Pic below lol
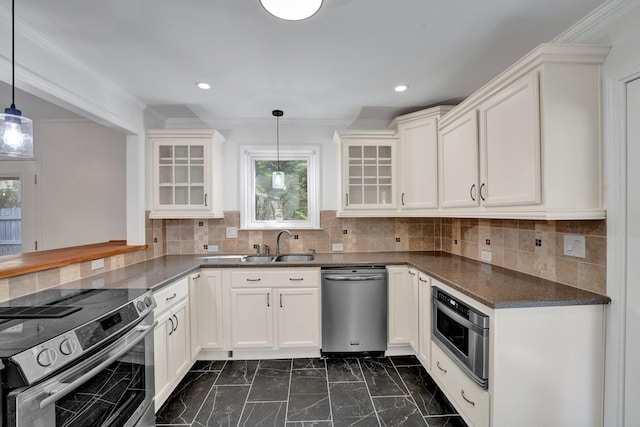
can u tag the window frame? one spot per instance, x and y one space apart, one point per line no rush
247 171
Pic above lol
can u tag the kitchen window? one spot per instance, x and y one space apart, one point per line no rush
294 206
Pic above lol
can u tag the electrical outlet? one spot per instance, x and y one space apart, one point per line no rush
97 263
337 247
232 232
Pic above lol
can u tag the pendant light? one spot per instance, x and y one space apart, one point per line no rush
292 10
16 131
277 179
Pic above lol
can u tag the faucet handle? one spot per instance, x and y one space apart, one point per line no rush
313 251
257 248
266 249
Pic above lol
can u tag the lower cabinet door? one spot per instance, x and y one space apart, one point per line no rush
179 342
472 401
252 318
298 318
160 358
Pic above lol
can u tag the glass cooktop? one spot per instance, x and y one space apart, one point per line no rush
36 318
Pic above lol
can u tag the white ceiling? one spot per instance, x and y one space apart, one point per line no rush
341 64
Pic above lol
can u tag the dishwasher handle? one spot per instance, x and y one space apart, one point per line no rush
354 278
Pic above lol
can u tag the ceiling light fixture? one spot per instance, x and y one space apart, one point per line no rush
16 131
203 85
292 10
401 88
277 179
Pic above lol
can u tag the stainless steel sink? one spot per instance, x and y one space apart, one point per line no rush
258 258
295 258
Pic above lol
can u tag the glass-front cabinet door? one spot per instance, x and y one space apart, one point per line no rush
368 171
187 173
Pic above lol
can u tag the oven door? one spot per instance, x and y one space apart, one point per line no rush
113 387
466 343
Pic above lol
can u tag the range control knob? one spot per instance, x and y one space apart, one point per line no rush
46 357
141 306
148 301
68 346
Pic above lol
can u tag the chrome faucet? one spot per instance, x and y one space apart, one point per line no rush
278 240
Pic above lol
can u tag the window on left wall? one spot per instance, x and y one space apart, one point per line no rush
294 206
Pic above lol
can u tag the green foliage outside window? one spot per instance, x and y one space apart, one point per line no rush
288 204
9 193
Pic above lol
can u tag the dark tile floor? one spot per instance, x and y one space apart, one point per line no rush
388 391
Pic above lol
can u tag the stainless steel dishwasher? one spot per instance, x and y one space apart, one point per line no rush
354 310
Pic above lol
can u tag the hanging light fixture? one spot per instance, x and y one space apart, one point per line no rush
16 131
277 179
292 10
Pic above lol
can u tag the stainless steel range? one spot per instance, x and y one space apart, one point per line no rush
77 358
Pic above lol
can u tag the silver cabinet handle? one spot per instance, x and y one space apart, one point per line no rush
59 392
172 297
471 402
205 199
268 298
347 199
472 193
481 187
254 280
440 367
176 328
281 301
402 198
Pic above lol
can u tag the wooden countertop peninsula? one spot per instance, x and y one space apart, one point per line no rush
14 265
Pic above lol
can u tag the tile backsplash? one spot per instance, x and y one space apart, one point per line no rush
532 247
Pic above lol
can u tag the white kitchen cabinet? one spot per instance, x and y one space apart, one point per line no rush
472 401
367 162
418 166
549 357
205 305
402 309
172 357
424 321
458 162
275 309
528 144
510 145
186 173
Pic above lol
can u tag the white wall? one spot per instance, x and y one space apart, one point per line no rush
82 183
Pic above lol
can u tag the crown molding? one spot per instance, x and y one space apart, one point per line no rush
594 20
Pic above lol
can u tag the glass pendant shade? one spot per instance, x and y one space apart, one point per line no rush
277 180
16 133
292 10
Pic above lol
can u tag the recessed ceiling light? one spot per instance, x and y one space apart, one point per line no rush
292 10
203 85
401 88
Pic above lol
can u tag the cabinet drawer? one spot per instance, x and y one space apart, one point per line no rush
469 399
171 294
291 277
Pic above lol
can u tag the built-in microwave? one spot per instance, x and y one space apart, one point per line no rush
462 332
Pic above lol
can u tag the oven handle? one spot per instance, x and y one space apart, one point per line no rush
455 316
59 392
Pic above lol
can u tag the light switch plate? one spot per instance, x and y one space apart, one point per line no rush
97 263
212 248
337 247
486 256
232 232
574 246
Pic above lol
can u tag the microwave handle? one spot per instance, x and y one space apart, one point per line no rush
59 392
455 316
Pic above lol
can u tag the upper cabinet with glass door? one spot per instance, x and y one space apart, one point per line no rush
367 177
186 173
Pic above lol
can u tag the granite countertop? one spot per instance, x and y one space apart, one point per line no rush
493 286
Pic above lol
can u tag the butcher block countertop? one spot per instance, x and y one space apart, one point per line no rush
493 286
